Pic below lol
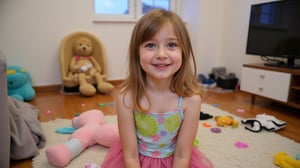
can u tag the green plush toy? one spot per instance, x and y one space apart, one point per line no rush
19 84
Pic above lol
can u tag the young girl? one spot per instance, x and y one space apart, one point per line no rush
158 106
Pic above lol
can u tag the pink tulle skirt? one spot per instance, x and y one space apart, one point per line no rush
114 159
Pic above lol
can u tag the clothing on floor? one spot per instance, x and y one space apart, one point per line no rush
27 136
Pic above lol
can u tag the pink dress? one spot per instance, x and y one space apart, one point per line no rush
156 135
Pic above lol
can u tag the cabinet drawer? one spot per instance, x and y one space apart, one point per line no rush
271 84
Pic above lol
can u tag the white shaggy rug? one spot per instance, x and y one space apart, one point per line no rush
218 147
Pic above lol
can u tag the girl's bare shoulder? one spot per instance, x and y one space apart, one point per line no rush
191 100
124 98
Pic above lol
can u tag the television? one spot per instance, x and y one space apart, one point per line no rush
274 32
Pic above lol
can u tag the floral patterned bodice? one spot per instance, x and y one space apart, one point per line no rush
157 132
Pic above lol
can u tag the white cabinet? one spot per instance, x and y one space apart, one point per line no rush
271 84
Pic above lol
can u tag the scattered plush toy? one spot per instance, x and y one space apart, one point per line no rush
263 121
83 66
19 83
205 116
91 129
298 156
225 121
283 160
206 82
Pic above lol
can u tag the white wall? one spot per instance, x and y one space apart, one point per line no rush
203 24
31 32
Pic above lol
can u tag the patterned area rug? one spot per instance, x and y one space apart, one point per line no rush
218 147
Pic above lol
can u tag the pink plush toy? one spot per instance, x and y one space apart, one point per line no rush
91 129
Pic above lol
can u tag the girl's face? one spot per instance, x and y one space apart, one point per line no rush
161 56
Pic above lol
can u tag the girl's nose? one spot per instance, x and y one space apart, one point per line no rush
161 53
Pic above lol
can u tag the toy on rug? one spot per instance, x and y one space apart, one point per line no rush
241 144
283 160
225 121
91 129
215 130
298 156
91 165
205 116
83 66
263 121
19 83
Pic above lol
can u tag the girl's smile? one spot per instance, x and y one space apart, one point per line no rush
161 66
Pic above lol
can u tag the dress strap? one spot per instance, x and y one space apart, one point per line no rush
179 108
180 102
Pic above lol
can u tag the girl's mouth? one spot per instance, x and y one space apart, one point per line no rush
161 66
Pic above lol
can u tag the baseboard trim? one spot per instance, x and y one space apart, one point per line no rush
47 88
57 87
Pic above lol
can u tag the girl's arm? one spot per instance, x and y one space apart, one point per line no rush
127 132
188 131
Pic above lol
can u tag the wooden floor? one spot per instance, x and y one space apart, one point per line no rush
52 104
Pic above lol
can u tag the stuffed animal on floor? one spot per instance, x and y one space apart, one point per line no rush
283 160
206 82
19 83
91 129
225 121
83 66
263 121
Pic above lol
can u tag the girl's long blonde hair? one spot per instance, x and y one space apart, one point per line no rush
184 82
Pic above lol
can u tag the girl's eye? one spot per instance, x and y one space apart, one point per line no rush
172 45
150 45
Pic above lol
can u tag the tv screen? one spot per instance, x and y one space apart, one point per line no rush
274 32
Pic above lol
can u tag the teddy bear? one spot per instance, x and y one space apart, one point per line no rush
91 129
225 121
19 84
263 121
83 66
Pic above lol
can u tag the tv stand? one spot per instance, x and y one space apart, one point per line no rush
282 65
280 84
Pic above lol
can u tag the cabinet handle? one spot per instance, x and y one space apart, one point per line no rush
260 89
262 76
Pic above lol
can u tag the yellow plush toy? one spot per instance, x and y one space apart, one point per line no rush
225 121
83 66
285 161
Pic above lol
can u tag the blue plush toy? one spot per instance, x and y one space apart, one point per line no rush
19 84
